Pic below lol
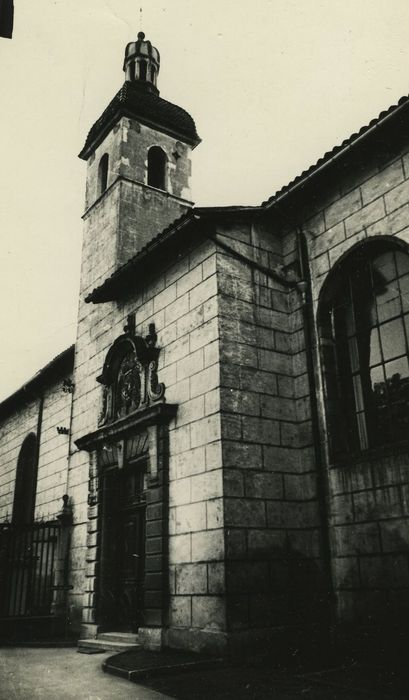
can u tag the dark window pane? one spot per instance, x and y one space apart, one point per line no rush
383 266
404 290
402 262
392 339
388 302
396 372
375 348
378 412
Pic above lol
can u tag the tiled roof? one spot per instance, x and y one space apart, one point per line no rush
337 150
59 366
127 270
136 101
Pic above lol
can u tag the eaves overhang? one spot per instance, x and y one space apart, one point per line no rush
168 244
386 128
58 368
147 108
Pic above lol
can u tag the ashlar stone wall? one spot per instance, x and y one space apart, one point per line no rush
367 504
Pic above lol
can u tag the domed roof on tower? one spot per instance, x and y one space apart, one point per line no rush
142 63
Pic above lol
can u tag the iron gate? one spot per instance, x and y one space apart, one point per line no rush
27 558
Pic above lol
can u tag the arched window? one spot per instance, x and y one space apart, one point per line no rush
26 481
364 340
157 161
103 174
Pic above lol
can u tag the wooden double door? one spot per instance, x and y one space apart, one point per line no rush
123 548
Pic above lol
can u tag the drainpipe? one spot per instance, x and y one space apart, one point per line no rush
305 288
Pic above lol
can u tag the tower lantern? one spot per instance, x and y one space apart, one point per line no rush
142 62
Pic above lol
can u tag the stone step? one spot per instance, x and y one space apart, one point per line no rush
106 645
125 637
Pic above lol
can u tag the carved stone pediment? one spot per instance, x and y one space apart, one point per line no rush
129 378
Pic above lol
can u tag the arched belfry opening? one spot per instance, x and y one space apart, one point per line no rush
26 482
157 162
103 174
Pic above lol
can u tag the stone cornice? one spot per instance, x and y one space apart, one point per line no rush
157 413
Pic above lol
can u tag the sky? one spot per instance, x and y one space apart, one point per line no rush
271 84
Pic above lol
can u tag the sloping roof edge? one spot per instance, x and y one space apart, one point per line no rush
58 366
340 150
188 220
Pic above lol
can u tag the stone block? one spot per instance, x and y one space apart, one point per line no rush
212 402
356 539
205 430
239 401
300 487
206 486
236 353
215 578
191 579
203 335
293 514
208 612
207 546
387 571
203 291
190 411
190 518
365 217
305 543
180 611
346 572
179 549
179 492
233 482
242 454
262 485
278 362
214 455
240 512
247 577
215 514
378 503
261 430
342 208
189 365
382 182
189 281
281 459
277 407
266 544
395 535
164 298
190 462
341 509
204 380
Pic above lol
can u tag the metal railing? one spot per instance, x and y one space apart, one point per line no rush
28 556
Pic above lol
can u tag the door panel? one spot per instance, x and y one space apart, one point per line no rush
123 549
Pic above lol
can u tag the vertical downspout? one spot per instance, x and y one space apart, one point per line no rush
322 482
38 434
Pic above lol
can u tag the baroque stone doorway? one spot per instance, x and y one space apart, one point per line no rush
123 548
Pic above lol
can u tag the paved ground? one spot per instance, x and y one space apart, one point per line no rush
63 674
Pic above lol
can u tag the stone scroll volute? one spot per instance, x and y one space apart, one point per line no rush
130 376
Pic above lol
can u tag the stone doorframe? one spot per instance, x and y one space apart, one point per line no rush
147 428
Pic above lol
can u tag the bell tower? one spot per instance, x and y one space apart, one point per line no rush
138 167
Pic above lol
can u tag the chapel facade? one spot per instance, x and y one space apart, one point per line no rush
222 460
